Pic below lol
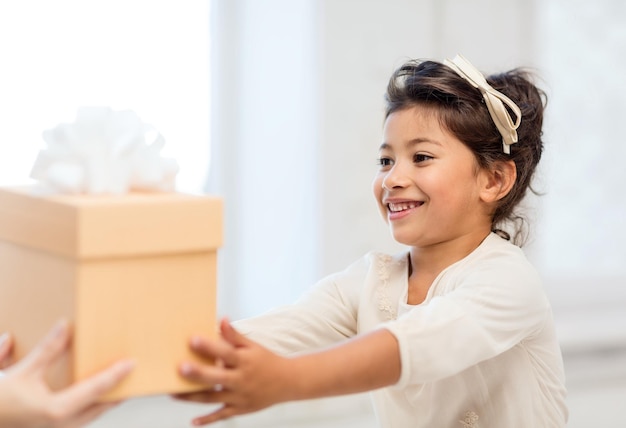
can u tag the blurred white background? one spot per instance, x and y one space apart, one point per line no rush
283 98
148 56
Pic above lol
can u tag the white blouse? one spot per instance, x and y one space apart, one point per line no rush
480 351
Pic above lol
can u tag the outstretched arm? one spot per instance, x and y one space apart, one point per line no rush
27 401
248 377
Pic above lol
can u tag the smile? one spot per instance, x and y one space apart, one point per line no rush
403 206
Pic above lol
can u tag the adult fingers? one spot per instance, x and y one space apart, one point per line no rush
85 393
89 414
6 346
47 350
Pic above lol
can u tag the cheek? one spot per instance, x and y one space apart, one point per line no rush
455 193
377 190
377 186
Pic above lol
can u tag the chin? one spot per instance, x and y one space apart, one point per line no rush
413 240
403 239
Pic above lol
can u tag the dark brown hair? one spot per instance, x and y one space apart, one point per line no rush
463 112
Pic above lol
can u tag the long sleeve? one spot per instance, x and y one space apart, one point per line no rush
492 310
481 346
325 315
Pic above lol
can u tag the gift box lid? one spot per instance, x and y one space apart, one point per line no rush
99 226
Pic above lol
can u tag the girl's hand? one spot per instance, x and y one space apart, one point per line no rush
27 401
245 377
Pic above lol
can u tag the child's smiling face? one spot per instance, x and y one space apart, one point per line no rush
429 185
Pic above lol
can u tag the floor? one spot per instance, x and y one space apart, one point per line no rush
597 389
163 412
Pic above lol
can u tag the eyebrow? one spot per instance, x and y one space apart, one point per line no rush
411 143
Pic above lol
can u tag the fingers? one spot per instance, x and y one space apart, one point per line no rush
214 349
88 415
223 351
206 397
231 335
6 346
48 350
224 412
196 397
208 375
83 394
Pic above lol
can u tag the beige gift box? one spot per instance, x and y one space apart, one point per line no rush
135 275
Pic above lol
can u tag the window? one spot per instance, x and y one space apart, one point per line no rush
581 232
148 56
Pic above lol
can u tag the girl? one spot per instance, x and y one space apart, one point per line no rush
458 331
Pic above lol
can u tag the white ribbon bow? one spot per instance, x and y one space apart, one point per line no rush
104 151
495 101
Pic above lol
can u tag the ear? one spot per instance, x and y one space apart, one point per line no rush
498 181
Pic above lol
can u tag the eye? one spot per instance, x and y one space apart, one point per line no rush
384 162
420 157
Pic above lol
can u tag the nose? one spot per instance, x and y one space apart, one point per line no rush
395 178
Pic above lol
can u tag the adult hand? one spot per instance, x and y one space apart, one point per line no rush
26 400
5 351
245 377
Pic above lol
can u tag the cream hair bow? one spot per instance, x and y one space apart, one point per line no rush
495 101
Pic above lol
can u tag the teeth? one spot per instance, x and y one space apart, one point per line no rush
403 206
